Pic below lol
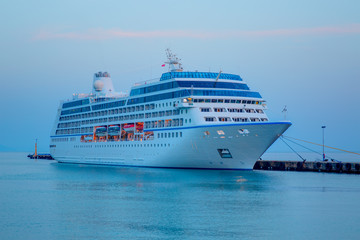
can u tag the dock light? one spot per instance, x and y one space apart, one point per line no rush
323 133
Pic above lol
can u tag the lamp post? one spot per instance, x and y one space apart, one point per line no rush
323 135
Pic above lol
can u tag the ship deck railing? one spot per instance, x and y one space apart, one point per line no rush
153 80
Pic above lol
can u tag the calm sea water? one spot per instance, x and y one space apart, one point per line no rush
45 200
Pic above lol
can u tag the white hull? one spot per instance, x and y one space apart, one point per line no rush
194 149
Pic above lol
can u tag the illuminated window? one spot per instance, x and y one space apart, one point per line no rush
220 132
219 109
224 119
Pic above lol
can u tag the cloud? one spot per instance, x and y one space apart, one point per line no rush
348 29
107 34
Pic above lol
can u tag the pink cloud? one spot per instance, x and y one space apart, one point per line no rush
347 29
105 34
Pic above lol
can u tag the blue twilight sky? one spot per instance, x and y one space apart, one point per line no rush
302 54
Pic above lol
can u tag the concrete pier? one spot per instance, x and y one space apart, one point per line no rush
40 156
307 166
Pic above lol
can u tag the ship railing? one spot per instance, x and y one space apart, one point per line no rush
153 80
95 99
81 95
98 98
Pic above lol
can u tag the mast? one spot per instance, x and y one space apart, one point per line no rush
284 111
217 78
173 61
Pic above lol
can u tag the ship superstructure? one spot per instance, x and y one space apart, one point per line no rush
182 120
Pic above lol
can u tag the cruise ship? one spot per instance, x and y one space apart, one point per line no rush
185 119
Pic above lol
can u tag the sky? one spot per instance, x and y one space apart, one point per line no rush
304 55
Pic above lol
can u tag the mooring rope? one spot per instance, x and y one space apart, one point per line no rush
304 147
322 145
312 150
282 138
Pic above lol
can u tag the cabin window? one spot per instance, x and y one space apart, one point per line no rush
237 119
224 119
210 119
205 109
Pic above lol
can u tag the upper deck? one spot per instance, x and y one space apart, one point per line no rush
199 75
173 84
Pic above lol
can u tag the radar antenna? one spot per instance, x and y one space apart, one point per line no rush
173 61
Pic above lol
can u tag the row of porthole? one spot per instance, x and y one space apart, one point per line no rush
169 135
235 119
125 145
240 110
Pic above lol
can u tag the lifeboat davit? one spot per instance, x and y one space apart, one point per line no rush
128 127
114 130
88 138
100 131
